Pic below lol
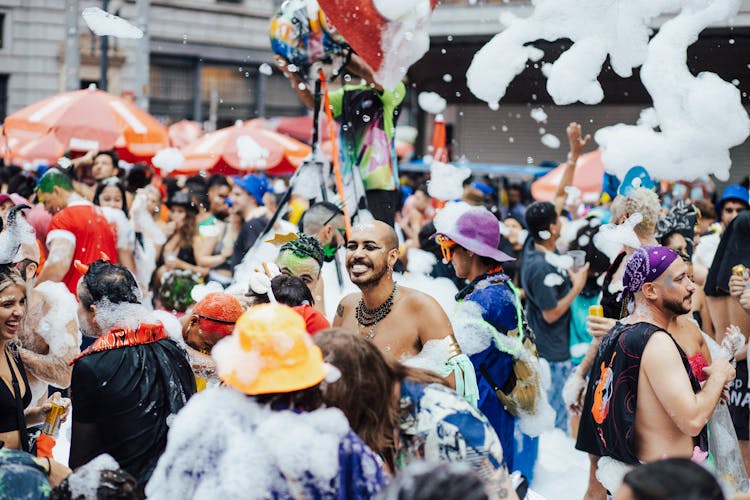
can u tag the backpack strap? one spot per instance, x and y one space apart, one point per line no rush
519 311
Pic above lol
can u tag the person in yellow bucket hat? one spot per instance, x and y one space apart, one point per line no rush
269 352
268 421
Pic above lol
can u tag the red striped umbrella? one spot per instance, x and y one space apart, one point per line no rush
244 147
184 133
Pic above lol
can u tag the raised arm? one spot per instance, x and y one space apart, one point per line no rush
299 86
577 146
662 366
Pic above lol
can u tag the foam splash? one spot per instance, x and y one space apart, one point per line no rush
553 280
105 24
431 102
404 42
56 311
242 452
699 117
612 237
451 184
85 480
551 141
168 160
250 153
538 115
561 262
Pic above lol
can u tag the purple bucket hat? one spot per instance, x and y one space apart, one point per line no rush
476 230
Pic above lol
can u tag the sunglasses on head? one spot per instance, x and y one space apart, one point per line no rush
447 246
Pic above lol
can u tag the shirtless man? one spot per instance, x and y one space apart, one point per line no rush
671 409
49 336
399 320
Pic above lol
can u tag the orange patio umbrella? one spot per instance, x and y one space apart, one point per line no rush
244 147
90 119
184 132
42 150
588 177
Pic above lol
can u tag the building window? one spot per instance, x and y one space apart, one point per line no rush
2 30
3 97
172 89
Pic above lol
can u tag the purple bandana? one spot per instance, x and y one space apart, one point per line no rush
645 266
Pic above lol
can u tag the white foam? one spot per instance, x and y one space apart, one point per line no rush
224 445
538 115
431 102
250 153
402 10
561 262
420 262
553 280
551 141
699 117
105 24
265 69
403 43
451 181
168 160
612 237
56 316
85 480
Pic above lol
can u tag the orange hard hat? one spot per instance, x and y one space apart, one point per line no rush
269 352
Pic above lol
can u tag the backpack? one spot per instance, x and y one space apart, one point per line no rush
520 393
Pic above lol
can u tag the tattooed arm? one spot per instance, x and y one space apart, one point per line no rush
345 312
500 484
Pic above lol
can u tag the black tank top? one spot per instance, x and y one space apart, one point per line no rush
607 425
611 302
8 405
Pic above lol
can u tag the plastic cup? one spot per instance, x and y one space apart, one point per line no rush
579 258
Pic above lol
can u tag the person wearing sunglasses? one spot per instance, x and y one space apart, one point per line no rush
487 321
325 222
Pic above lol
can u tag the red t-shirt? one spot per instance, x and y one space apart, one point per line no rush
84 225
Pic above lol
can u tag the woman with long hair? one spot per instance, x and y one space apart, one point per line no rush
15 392
110 195
407 414
177 252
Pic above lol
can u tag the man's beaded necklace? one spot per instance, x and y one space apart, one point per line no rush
371 317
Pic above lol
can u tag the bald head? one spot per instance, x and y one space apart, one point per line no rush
377 231
371 253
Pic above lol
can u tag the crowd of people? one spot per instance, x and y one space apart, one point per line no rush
184 321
